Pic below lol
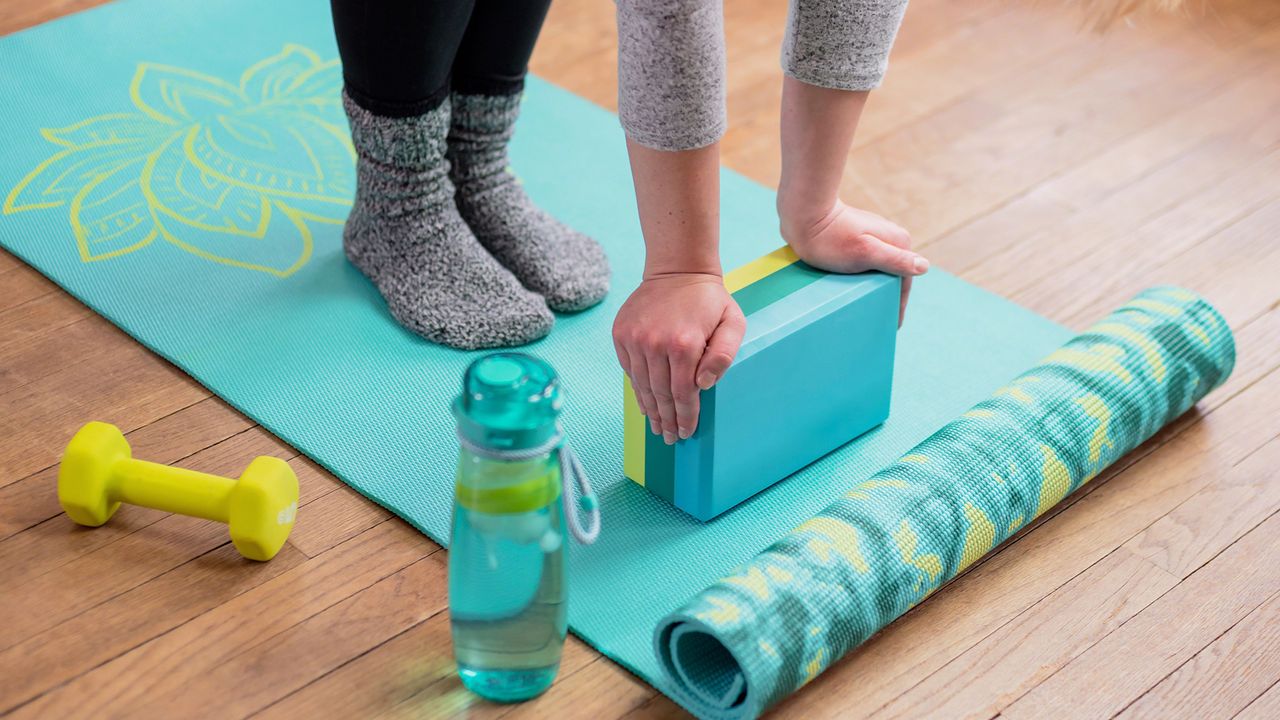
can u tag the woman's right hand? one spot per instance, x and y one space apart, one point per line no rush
677 334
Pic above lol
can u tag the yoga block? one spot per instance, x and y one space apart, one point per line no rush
815 371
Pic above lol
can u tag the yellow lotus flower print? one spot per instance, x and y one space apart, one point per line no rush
234 173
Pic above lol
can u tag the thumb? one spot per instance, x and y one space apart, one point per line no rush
883 256
721 346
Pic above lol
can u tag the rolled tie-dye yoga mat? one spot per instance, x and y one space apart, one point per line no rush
766 630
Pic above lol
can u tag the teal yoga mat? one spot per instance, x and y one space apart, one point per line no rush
182 168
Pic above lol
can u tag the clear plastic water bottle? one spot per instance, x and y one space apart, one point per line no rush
509 551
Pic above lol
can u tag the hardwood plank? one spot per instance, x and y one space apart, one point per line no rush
1095 208
333 518
1107 677
56 352
8 260
373 683
1021 653
119 382
1232 268
1201 527
288 660
18 14
658 707
1266 707
950 66
938 174
105 631
406 676
20 285
601 689
185 655
51 595
46 314
1224 677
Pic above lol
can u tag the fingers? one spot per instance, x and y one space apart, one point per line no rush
684 355
624 359
902 304
644 391
660 384
885 256
896 235
890 232
722 346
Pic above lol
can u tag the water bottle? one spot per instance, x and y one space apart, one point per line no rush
508 556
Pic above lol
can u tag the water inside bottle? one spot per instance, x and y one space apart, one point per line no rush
507 599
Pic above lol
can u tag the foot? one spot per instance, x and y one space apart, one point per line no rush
559 263
404 232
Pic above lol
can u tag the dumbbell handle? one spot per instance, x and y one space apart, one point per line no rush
173 489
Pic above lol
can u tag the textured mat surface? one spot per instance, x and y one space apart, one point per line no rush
891 540
183 169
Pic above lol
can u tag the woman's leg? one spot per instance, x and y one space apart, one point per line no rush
397 54
494 55
404 231
566 267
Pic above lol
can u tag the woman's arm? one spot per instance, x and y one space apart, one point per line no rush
817 130
680 329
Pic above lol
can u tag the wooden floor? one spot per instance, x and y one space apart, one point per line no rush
1060 169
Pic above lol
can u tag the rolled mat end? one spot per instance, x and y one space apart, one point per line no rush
707 676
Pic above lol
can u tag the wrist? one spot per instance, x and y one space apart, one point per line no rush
694 259
658 273
800 219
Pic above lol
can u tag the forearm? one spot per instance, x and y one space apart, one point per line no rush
817 130
678 196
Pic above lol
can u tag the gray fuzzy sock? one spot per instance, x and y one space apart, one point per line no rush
405 234
566 267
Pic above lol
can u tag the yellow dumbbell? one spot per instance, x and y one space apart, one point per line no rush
98 473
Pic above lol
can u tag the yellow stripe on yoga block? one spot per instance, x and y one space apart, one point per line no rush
633 429
759 268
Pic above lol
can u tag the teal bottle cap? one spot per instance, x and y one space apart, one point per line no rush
509 401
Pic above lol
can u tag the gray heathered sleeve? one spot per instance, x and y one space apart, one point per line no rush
841 44
671 74
671 60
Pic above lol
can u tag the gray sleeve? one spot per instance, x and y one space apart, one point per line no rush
671 75
671 60
841 44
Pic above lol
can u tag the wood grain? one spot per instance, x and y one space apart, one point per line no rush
1107 677
1224 677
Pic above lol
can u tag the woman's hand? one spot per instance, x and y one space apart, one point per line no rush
848 240
678 332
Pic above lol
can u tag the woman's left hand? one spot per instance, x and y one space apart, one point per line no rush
848 240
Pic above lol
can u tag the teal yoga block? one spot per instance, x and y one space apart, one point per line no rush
815 370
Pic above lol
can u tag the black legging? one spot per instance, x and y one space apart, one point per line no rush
402 57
